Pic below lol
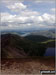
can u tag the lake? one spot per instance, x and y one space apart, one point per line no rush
50 52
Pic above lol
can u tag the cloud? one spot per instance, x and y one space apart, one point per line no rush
24 17
29 13
44 1
32 21
53 9
11 1
49 18
6 17
17 7
40 1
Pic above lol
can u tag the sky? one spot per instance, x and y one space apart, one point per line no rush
27 14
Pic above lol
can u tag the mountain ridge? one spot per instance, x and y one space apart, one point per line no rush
12 45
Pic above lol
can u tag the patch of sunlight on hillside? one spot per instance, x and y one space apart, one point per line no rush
48 41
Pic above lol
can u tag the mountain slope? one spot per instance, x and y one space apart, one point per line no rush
37 38
14 46
9 46
46 33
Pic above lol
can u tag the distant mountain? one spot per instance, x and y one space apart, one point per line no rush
46 33
15 46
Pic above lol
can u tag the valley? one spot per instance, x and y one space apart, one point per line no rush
26 54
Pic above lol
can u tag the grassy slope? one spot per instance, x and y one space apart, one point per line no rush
48 42
37 38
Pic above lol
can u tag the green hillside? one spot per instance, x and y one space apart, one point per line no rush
37 38
48 42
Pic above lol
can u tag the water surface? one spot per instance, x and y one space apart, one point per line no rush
50 52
